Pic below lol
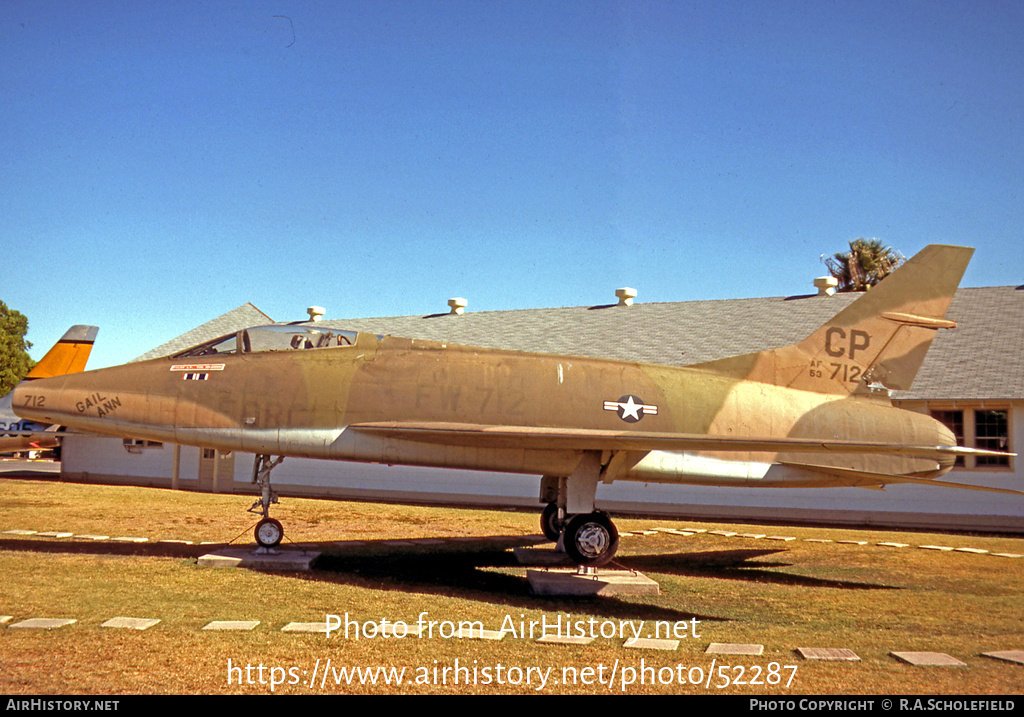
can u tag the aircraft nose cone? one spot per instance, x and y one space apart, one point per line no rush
39 400
45 399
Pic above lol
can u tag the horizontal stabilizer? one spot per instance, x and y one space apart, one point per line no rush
862 479
943 484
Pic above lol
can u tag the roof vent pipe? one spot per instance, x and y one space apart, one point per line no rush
316 312
458 305
625 296
826 285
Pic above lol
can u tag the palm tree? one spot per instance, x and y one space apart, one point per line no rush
867 263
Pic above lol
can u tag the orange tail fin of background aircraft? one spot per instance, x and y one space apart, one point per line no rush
69 355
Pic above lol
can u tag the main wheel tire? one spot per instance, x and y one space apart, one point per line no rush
269 533
591 539
550 524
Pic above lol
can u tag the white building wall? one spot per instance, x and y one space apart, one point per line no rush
84 455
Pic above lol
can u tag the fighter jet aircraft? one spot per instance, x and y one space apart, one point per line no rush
814 414
68 355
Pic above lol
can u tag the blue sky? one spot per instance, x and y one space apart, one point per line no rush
166 162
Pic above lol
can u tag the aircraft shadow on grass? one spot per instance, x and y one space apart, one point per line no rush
481 569
738 565
474 570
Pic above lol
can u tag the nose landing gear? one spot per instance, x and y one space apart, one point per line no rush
269 532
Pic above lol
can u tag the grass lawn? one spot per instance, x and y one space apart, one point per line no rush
784 595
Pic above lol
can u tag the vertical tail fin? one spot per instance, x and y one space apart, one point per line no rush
68 355
881 338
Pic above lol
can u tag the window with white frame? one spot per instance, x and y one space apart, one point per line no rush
987 428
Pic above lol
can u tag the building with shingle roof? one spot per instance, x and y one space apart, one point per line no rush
972 378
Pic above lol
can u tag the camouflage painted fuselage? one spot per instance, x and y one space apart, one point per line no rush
815 413
338 403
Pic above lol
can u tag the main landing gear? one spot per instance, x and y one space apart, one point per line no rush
269 532
589 539
588 536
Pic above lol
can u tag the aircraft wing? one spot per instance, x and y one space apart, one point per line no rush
29 441
588 439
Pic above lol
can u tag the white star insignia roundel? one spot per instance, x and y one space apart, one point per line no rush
631 408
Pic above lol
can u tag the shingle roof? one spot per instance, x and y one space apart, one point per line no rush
677 333
983 358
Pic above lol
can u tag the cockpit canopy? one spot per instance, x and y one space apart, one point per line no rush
272 338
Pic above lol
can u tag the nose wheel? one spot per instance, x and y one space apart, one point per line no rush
269 533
